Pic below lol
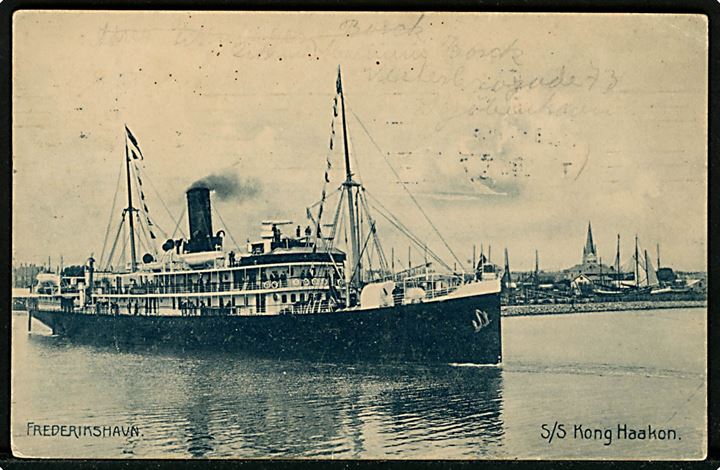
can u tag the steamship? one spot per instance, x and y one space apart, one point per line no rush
292 293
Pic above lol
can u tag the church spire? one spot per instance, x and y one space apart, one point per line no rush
589 253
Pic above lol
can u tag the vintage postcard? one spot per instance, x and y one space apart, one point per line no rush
359 235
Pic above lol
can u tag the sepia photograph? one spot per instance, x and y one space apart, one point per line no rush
359 235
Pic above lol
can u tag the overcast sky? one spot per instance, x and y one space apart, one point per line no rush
510 130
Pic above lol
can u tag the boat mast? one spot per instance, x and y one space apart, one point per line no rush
349 183
130 209
647 270
617 261
637 264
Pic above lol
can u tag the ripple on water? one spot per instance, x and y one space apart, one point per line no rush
190 404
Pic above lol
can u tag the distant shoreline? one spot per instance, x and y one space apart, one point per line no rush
555 309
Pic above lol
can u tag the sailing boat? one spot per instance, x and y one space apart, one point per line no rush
644 277
615 287
293 295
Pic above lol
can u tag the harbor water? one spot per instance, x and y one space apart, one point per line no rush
565 381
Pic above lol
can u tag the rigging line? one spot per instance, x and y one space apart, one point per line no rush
359 225
217 212
143 203
317 227
112 212
327 196
362 217
336 217
143 239
323 239
412 238
149 245
381 254
357 171
328 247
437 232
337 221
140 234
335 264
125 240
406 231
376 239
310 216
328 154
153 225
418 243
321 203
348 282
177 225
369 261
403 230
118 237
157 193
140 209
111 254
357 265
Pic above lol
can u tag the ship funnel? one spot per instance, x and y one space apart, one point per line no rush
200 221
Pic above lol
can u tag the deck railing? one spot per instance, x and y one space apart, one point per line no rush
224 286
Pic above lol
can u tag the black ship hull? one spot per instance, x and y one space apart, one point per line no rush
460 330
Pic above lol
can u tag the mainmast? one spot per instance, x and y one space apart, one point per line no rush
130 209
349 183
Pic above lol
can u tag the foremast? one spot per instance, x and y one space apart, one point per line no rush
130 209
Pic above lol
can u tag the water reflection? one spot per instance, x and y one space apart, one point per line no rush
205 404
262 408
198 439
215 405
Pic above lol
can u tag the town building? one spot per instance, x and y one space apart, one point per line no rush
591 267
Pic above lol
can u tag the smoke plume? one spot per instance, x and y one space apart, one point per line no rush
229 186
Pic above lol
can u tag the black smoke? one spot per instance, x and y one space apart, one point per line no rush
229 186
